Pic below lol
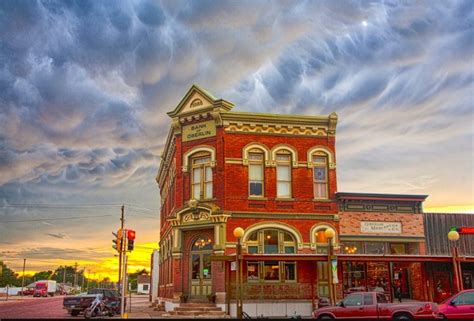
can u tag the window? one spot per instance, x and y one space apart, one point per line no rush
352 248
201 177
320 175
397 248
374 247
465 298
368 299
353 300
145 287
381 298
271 241
256 170
252 271
283 167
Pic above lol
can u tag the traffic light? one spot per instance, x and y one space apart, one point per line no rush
131 239
118 240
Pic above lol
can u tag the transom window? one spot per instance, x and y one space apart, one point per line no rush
201 178
271 241
283 167
320 175
256 172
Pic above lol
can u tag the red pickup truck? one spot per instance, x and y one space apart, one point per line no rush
374 306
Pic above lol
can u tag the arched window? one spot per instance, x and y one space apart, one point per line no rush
283 172
271 241
201 176
256 172
320 175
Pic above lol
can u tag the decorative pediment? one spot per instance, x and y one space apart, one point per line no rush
198 215
196 100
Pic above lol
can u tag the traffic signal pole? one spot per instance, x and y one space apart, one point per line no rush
122 220
123 268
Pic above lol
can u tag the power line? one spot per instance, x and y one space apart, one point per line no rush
58 205
56 218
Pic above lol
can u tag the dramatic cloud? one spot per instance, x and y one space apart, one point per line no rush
84 87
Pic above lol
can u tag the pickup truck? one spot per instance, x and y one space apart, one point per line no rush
374 306
77 304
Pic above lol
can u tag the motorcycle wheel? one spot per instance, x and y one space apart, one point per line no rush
88 313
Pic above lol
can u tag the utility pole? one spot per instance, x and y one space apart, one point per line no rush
75 275
64 275
83 277
23 277
122 221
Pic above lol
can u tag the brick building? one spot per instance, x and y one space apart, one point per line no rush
275 177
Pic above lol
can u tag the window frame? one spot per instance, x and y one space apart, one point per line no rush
287 163
282 245
319 165
256 162
202 168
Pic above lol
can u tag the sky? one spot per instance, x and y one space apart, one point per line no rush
85 87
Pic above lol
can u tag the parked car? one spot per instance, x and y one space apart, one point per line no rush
457 307
374 306
77 304
27 291
45 288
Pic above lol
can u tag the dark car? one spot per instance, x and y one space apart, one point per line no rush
457 307
77 304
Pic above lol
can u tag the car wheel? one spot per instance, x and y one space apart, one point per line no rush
325 317
75 313
88 313
402 317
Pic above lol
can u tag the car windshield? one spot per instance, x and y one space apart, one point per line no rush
94 291
41 286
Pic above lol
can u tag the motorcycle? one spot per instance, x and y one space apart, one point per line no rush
98 308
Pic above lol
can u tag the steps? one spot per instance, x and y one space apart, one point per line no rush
197 309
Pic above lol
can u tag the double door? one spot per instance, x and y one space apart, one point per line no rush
201 274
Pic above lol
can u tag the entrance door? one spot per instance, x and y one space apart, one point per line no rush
201 283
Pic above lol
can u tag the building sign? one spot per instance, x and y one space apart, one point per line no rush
199 130
465 230
381 227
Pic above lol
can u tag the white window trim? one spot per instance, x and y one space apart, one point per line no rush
187 156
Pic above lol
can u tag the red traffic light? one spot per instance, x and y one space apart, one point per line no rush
130 234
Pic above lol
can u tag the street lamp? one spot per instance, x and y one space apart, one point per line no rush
329 233
453 236
238 233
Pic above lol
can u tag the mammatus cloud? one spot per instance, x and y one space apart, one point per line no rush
84 87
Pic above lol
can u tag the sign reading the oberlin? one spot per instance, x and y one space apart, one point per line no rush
381 227
199 130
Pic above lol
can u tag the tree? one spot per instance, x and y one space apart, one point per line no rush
8 276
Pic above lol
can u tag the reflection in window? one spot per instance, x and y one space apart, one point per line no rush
352 248
397 248
271 270
252 271
374 247
256 169
270 241
290 271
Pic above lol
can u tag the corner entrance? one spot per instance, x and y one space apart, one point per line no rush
201 272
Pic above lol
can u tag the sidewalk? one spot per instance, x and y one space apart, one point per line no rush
141 309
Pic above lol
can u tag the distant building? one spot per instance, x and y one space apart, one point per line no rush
143 284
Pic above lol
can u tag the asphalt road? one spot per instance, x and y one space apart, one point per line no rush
33 308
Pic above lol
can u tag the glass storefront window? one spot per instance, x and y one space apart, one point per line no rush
378 277
397 248
271 270
290 271
352 248
252 271
374 247
413 248
354 279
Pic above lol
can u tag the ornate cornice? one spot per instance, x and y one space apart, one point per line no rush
295 216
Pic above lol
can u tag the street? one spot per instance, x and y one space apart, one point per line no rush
33 308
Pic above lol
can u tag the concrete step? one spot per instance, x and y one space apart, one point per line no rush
195 313
181 308
197 304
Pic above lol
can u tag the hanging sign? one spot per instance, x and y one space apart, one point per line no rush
335 279
233 266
